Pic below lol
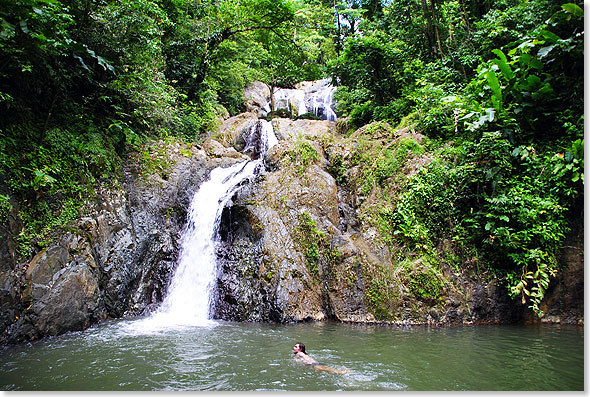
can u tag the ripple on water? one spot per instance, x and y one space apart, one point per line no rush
229 356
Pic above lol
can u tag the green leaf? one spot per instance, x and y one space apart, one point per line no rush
530 61
526 291
573 9
500 54
545 50
545 91
557 168
104 63
24 27
533 80
550 36
502 63
496 89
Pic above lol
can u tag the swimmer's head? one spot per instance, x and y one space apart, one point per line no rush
299 347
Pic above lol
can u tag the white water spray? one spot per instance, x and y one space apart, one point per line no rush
324 100
189 294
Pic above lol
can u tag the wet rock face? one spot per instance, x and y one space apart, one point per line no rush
266 240
239 295
564 300
116 261
293 248
135 234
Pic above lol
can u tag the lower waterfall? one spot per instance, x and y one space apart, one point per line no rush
188 300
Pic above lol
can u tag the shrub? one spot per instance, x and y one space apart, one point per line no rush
302 155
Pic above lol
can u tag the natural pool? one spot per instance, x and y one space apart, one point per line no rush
124 355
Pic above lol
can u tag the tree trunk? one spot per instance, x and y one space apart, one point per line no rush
338 31
272 95
429 38
436 32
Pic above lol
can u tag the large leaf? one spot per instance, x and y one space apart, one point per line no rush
550 36
573 9
496 89
502 63
530 61
545 50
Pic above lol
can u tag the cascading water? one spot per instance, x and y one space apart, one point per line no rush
316 97
322 103
189 294
261 137
285 98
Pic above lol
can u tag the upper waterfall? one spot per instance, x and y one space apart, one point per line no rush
315 97
321 99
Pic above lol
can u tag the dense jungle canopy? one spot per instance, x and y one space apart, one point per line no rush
495 86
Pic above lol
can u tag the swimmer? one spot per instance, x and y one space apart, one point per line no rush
299 351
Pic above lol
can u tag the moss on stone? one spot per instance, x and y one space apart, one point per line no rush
424 281
380 293
309 239
302 155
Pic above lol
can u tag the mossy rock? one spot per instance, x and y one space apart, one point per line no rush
279 113
308 116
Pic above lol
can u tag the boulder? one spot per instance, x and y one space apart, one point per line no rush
257 96
71 304
216 149
310 129
61 292
232 131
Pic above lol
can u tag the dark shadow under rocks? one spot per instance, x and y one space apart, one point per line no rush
240 295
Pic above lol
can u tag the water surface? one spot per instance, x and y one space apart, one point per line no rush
128 355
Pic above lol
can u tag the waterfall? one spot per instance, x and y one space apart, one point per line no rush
286 98
189 295
322 102
312 96
261 137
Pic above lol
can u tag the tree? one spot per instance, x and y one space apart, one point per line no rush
193 44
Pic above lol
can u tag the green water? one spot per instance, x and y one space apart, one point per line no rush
232 356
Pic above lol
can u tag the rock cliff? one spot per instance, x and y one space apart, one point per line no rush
293 248
116 260
297 244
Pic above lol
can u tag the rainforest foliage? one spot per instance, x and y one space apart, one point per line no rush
496 86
